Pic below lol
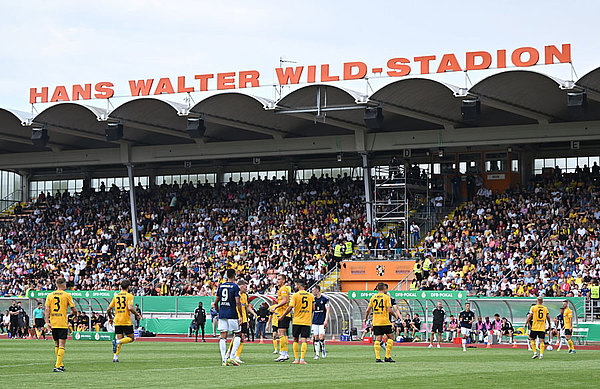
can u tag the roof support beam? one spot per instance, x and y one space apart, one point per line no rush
77 132
521 111
155 129
275 133
446 123
331 121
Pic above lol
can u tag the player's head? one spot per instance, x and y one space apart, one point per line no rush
230 274
14 302
300 284
439 305
540 300
317 290
467 307
125 284
40 305
497 317
280 279
565 303
387 287
200 304
61 283
243 285
381 287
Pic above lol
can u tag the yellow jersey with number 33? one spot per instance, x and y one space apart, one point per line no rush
302 303
59 302
539 313
121 303
380 304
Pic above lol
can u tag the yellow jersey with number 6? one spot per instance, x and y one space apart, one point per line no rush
302 303
538 317
59 302
121 303
380 304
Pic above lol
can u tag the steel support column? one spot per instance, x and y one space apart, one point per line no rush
367 180
132 204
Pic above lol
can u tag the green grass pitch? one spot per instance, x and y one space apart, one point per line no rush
185 365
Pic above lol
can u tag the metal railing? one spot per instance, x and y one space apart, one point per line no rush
11 199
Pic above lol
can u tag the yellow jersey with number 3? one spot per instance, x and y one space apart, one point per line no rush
380 304
539 313
283 291
59 302
568 318
244 304
302 303
121 303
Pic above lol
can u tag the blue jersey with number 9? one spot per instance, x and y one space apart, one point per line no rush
227 293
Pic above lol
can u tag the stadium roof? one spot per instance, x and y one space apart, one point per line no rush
516 107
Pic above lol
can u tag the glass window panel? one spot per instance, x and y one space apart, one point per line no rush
571 164
549 162
538 164
582 161
514 165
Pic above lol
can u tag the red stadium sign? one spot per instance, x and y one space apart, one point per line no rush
395 67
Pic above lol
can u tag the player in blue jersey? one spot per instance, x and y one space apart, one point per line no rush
227 305
319 322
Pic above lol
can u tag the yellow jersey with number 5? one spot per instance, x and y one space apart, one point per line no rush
302 303
121 303
380 304
59 302
539 313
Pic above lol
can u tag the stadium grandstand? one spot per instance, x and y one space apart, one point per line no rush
492 190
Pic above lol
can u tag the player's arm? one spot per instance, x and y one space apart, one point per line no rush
109 311
216 304
47 316
326 313
548 319
284 300
238 304
368 313
250 309
529 316
72 305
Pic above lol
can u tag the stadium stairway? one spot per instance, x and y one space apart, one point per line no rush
331 281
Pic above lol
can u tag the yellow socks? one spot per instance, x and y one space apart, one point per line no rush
533 347
388 348
542 346
56 351
295 347
283 346
118 349
239 350
303 350
59 357
275 343
571 345
377 349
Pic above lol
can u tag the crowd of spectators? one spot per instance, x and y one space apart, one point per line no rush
540 239
189 234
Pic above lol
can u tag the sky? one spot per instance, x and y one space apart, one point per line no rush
49 43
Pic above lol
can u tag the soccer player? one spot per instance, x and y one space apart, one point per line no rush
395 309
200 320
558 329
227 305
122 305
568 320
538 316
319 322
38 316
439 316
303 304
283 322
496 329
57 304
466 319
243 314
507 330
381 305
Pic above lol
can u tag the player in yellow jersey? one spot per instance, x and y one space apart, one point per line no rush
303 304
122 304
381 305
568 320
283 321
538 317
57 304
246 306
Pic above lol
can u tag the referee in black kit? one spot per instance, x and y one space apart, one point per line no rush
200 320
439 315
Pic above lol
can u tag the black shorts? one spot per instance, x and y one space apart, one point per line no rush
300 331
568 332
59 333
39 322
125 330
537 334
382 330
245 327
437 327
284 323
